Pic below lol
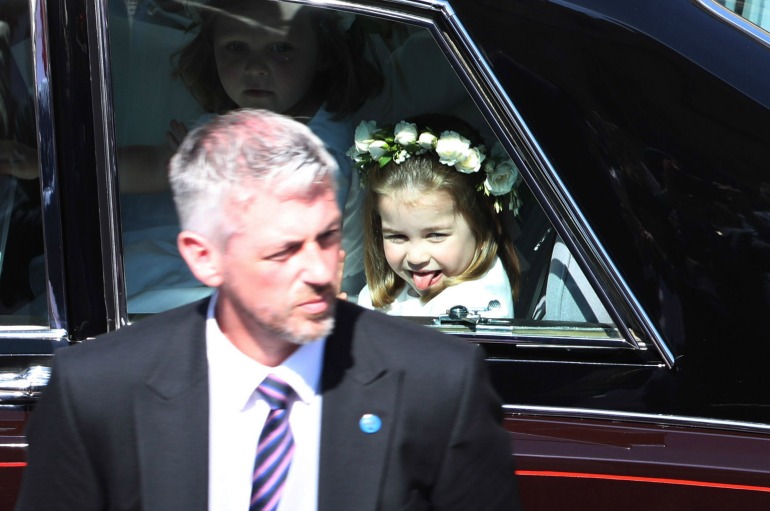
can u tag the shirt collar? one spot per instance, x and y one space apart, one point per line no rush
242 374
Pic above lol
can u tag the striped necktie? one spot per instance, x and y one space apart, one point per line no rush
275 448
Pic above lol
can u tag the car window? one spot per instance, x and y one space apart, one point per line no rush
147 99
175 68
755 11
22 269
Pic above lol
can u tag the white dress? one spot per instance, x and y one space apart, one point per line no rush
473 294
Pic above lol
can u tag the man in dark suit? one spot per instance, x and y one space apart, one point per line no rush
168 414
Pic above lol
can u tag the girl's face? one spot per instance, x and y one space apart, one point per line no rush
266 56
425 238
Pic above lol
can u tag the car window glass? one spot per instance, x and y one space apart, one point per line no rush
160 53
143 38
22 269
756 11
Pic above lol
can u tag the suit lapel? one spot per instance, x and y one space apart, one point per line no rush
172 420
354 383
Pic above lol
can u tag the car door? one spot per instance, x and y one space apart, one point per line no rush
651 154
52 283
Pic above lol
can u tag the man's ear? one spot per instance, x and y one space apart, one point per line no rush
202 256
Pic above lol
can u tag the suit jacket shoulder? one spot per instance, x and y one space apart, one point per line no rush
124 420
397 340
438 442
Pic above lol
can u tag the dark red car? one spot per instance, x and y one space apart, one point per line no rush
634 368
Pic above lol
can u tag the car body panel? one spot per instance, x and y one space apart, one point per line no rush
606 464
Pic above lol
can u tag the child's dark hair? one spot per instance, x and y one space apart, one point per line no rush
424 173
346 82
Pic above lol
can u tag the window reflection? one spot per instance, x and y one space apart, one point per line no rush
182 66
143 37
21 239
756 11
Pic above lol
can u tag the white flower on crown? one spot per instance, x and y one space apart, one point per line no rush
405 133
501 178
472 161
354 155
427 140
401 156
378 149
451 147
364 135
379 146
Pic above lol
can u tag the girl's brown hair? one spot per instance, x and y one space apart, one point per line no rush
425 174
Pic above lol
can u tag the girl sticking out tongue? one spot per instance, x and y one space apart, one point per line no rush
433 239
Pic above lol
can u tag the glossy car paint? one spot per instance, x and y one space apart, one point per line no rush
599 464
657 127
12 458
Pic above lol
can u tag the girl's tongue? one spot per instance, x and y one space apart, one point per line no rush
425 279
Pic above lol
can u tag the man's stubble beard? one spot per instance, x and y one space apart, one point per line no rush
300 333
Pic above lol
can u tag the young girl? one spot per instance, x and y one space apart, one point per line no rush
296 60
432 234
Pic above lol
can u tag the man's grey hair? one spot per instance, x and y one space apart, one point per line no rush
225 161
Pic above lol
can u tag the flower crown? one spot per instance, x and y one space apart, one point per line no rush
381 145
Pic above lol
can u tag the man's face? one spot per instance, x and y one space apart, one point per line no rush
280 271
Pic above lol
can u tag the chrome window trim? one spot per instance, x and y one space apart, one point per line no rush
548 188
553 191
739 22
49 175
33 332
106 158
645 418
534 335
551 342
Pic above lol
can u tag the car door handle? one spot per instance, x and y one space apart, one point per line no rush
25 385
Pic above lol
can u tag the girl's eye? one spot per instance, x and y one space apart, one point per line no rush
437 236
235 46
394 238
281 47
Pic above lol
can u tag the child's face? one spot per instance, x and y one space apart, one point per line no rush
425 238
266 55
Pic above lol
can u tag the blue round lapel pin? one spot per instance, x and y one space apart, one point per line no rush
370 423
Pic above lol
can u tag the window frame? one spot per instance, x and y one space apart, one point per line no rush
56 330
732 18
106 158
636 330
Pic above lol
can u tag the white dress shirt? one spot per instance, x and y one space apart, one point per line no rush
237 415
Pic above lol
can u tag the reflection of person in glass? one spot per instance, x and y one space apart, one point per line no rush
299 61
433 238
21 229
